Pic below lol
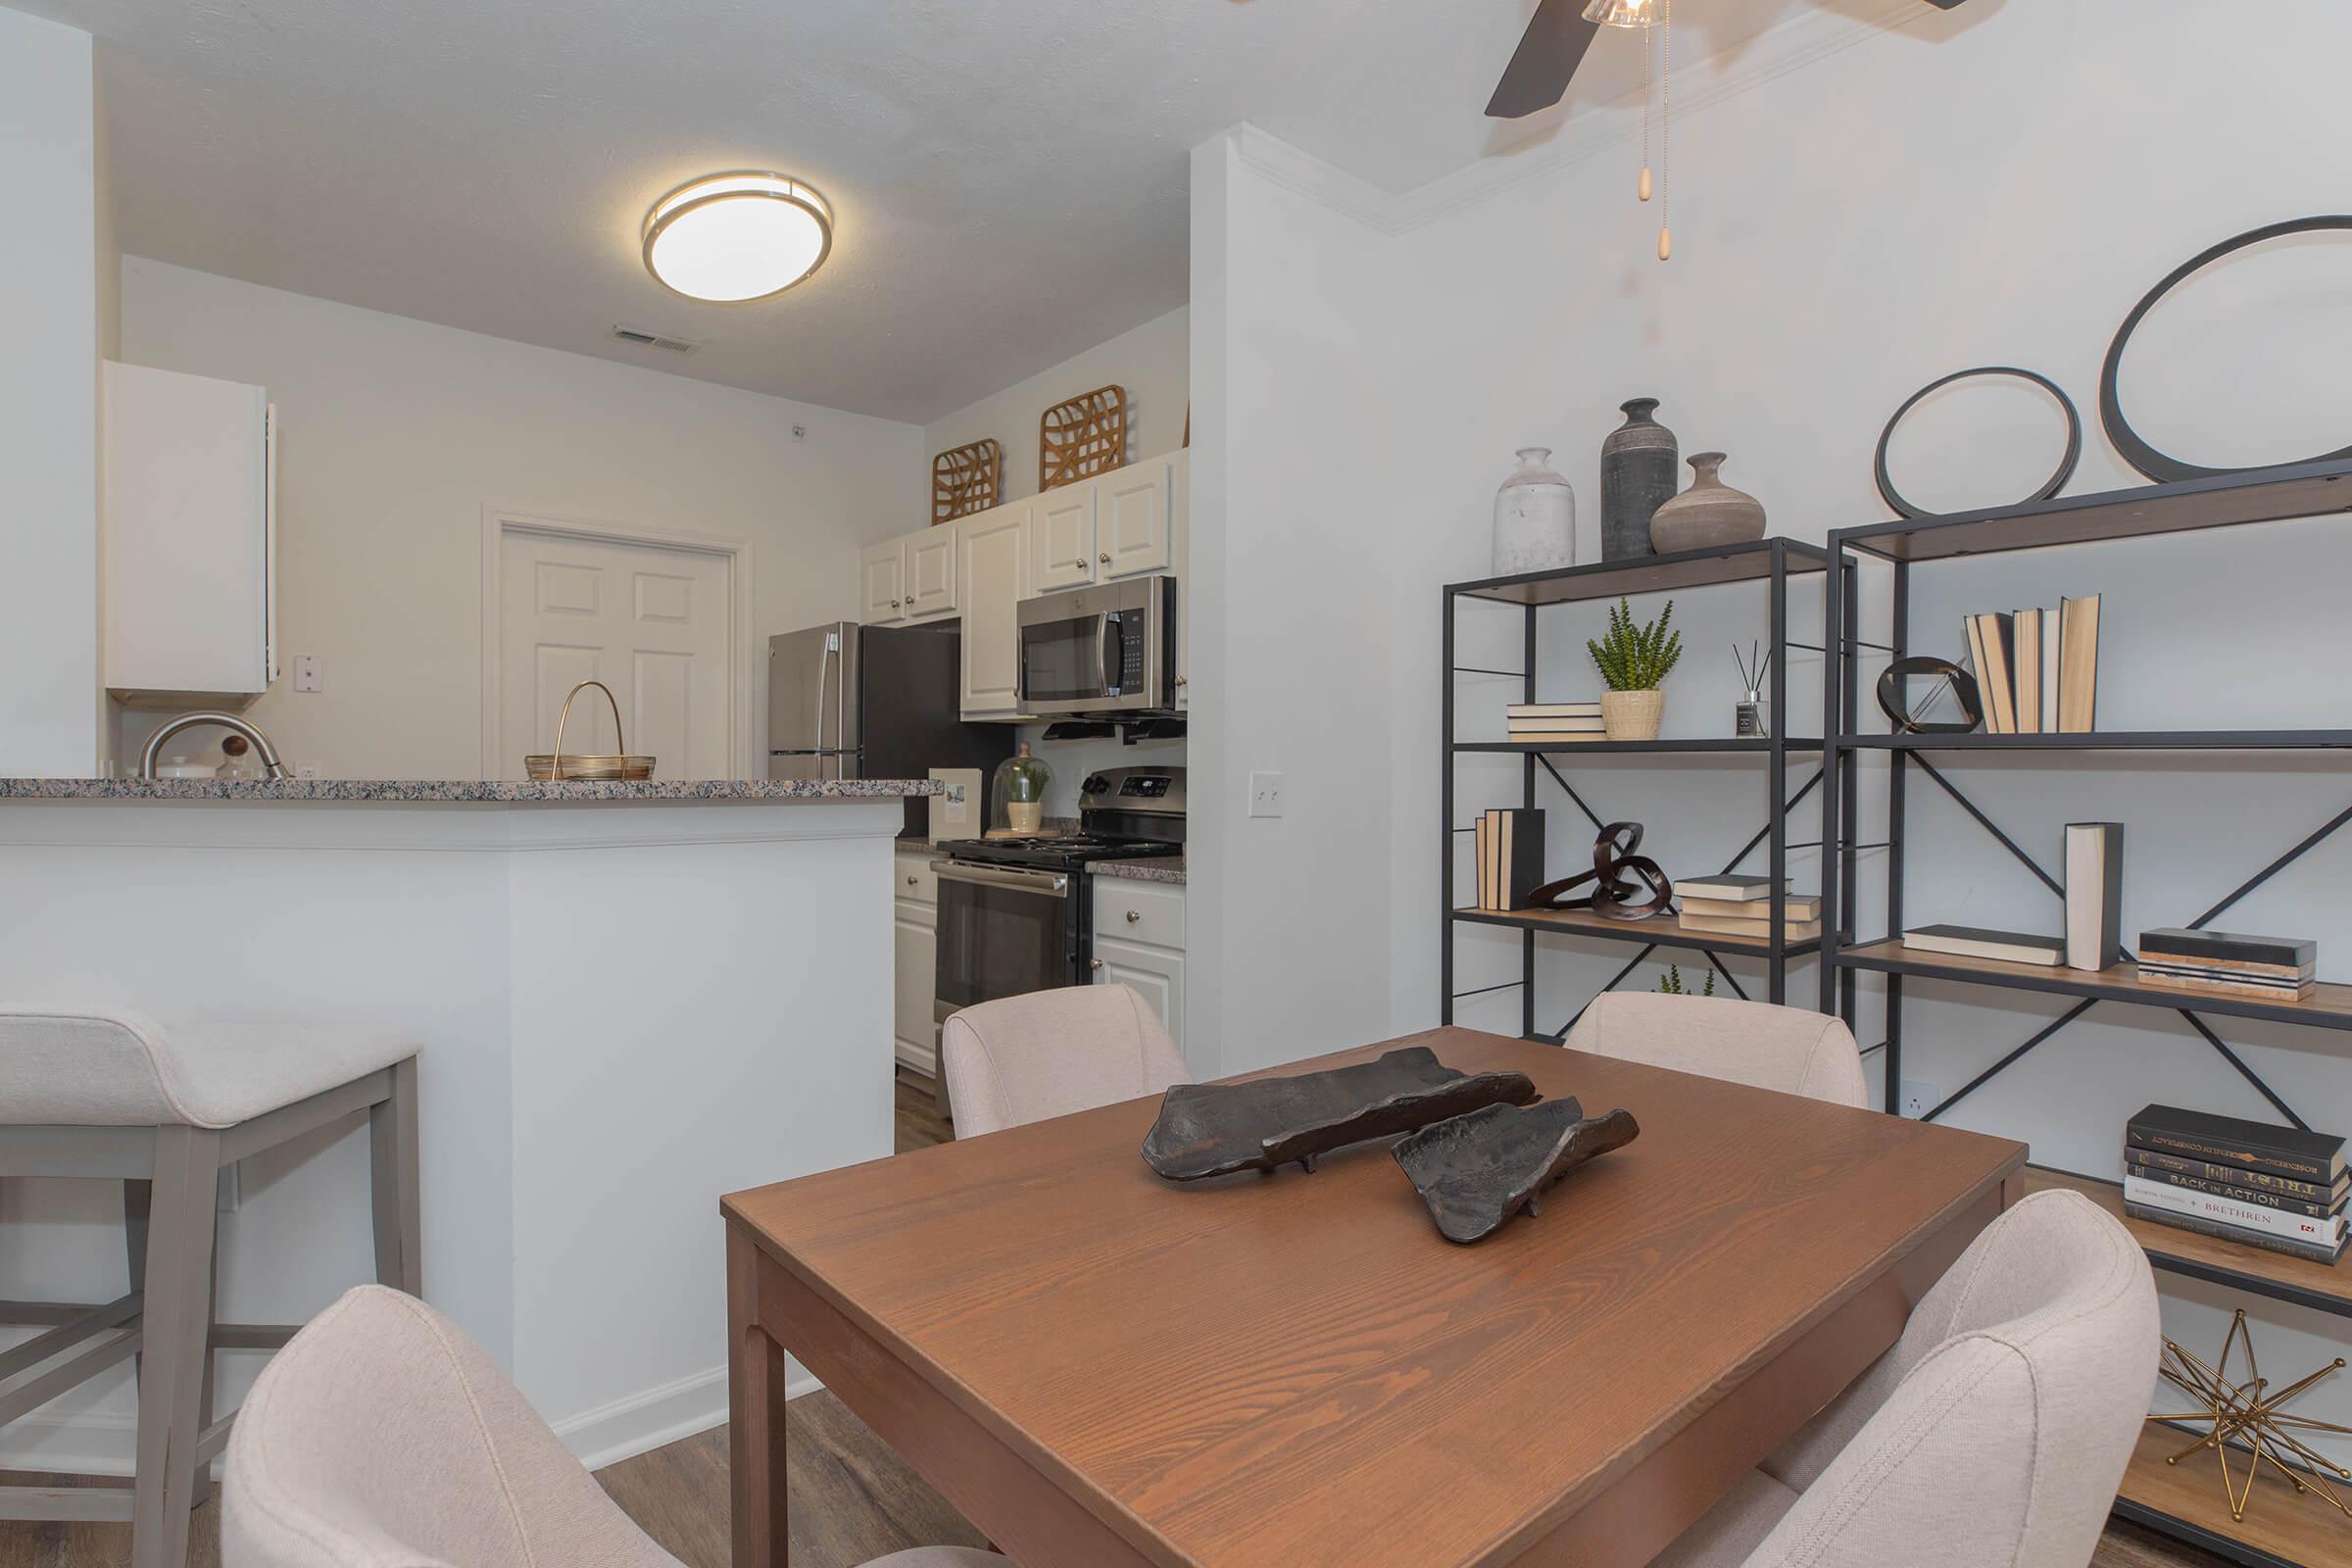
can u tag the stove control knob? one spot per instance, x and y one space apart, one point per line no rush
1095 784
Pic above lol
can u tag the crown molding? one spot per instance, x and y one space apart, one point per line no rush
1787 47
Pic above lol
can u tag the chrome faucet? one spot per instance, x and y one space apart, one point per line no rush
230 721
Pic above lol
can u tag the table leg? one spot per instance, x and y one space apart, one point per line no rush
2013 1190
755 1416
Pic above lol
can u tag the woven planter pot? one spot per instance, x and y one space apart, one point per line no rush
1633 716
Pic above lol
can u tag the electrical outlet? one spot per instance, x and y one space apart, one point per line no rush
1265 795
308 675
1920 1097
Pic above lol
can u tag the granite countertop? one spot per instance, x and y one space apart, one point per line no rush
465 792
1156 868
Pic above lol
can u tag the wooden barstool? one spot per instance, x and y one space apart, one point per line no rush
113 1095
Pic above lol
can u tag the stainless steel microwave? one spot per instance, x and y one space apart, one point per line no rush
1108 649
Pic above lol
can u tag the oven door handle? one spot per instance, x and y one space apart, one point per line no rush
999 876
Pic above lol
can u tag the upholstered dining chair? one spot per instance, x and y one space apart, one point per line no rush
1996 1430
1051 1053
1752 1043
382 1436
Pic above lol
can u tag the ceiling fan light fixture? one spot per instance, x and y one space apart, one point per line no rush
736 237
1623 12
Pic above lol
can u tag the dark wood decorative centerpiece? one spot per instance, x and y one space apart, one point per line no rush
1476 1171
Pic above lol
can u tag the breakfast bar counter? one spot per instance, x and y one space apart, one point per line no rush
627 997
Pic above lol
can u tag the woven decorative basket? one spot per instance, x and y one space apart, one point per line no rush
964 480
1082 437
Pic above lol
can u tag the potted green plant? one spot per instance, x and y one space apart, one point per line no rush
1671 983
1635 659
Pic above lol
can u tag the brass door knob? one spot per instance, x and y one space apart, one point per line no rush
1133 915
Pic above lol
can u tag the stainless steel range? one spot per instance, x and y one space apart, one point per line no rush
1017 916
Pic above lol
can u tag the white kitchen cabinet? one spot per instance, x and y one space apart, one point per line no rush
1139 942
1131 529
1062 541
993 558
930 574
882 584
914 938
190 561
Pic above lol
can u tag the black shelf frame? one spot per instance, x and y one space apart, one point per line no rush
1773 561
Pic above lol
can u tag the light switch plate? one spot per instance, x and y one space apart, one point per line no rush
1265 795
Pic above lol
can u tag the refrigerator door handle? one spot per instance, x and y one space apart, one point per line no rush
832 645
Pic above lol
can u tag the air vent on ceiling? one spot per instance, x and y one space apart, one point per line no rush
651 340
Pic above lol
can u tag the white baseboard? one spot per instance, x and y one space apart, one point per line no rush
84 1443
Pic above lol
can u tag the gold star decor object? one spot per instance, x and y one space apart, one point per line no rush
2246 1423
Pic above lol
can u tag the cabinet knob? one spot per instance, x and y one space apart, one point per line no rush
1098 964
1133 915
1104 558
1184 680
894 604
910 881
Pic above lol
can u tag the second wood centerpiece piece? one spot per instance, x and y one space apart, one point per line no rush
1635 659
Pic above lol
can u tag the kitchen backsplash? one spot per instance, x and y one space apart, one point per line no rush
1072 760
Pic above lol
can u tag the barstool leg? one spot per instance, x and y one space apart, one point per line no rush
393 1180
175 1327
137 1198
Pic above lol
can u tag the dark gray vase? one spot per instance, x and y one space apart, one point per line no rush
1638 471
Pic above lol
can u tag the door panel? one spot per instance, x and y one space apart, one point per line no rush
883 597
1133 532
1062 543
916 939
931 574
1157 974
995 551
654 625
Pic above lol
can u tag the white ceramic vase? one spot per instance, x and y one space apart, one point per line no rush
1535 517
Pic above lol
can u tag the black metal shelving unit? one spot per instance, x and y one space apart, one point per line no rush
1770 561
2275 495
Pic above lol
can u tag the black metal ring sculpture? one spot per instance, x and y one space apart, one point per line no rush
2137 452
1964 689
1615 869
2057 481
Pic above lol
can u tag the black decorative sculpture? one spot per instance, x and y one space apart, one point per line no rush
2056 481
1618 876
1906 719
1476 1171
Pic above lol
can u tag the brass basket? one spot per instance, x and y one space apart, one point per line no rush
541 765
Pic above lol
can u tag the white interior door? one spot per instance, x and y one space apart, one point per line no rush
652 624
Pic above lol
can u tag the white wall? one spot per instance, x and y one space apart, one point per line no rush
397 434
49 273
1151 361
1850 223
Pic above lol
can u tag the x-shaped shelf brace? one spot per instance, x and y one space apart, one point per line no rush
2310 842
1729 867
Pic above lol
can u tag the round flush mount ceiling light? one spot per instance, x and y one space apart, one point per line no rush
737 237
1623 12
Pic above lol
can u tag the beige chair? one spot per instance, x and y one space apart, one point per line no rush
116 1096
1053 1052
383 1438
1754 1043
1993 1436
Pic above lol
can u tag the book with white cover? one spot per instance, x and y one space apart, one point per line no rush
1978 942
2248 1216
1730 889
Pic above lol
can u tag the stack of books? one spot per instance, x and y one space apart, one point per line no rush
2038 670
1509 846
1556 724
2228 964
2280 1188
1741 907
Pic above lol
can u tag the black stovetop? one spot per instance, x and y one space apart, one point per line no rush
1068 852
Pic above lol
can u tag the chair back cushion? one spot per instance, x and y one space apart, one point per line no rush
381 1437
1053 1052
1995 1433
1754 1042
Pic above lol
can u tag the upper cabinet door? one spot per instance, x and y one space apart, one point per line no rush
1061 552
994 564
1133 534
882 594
930 569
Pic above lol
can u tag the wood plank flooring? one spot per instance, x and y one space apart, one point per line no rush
854 1499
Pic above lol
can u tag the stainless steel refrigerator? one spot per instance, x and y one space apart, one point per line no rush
846 701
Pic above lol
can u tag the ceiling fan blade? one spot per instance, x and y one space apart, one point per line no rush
1944 5
1550 51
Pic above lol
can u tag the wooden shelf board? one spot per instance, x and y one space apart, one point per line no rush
1645 575
2216 740
2280 1525
2329 1007
1625 747
1664 930
2266 495
2273 1274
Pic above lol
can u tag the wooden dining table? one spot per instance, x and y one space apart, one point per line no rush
1099 1368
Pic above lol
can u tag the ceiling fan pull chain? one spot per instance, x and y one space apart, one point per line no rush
1644 187
1666 139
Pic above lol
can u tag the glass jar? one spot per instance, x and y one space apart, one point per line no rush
1019 793
1535 517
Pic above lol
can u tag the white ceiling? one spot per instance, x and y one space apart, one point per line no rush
1010 175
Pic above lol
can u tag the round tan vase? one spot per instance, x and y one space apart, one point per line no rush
1632 715
1710 513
